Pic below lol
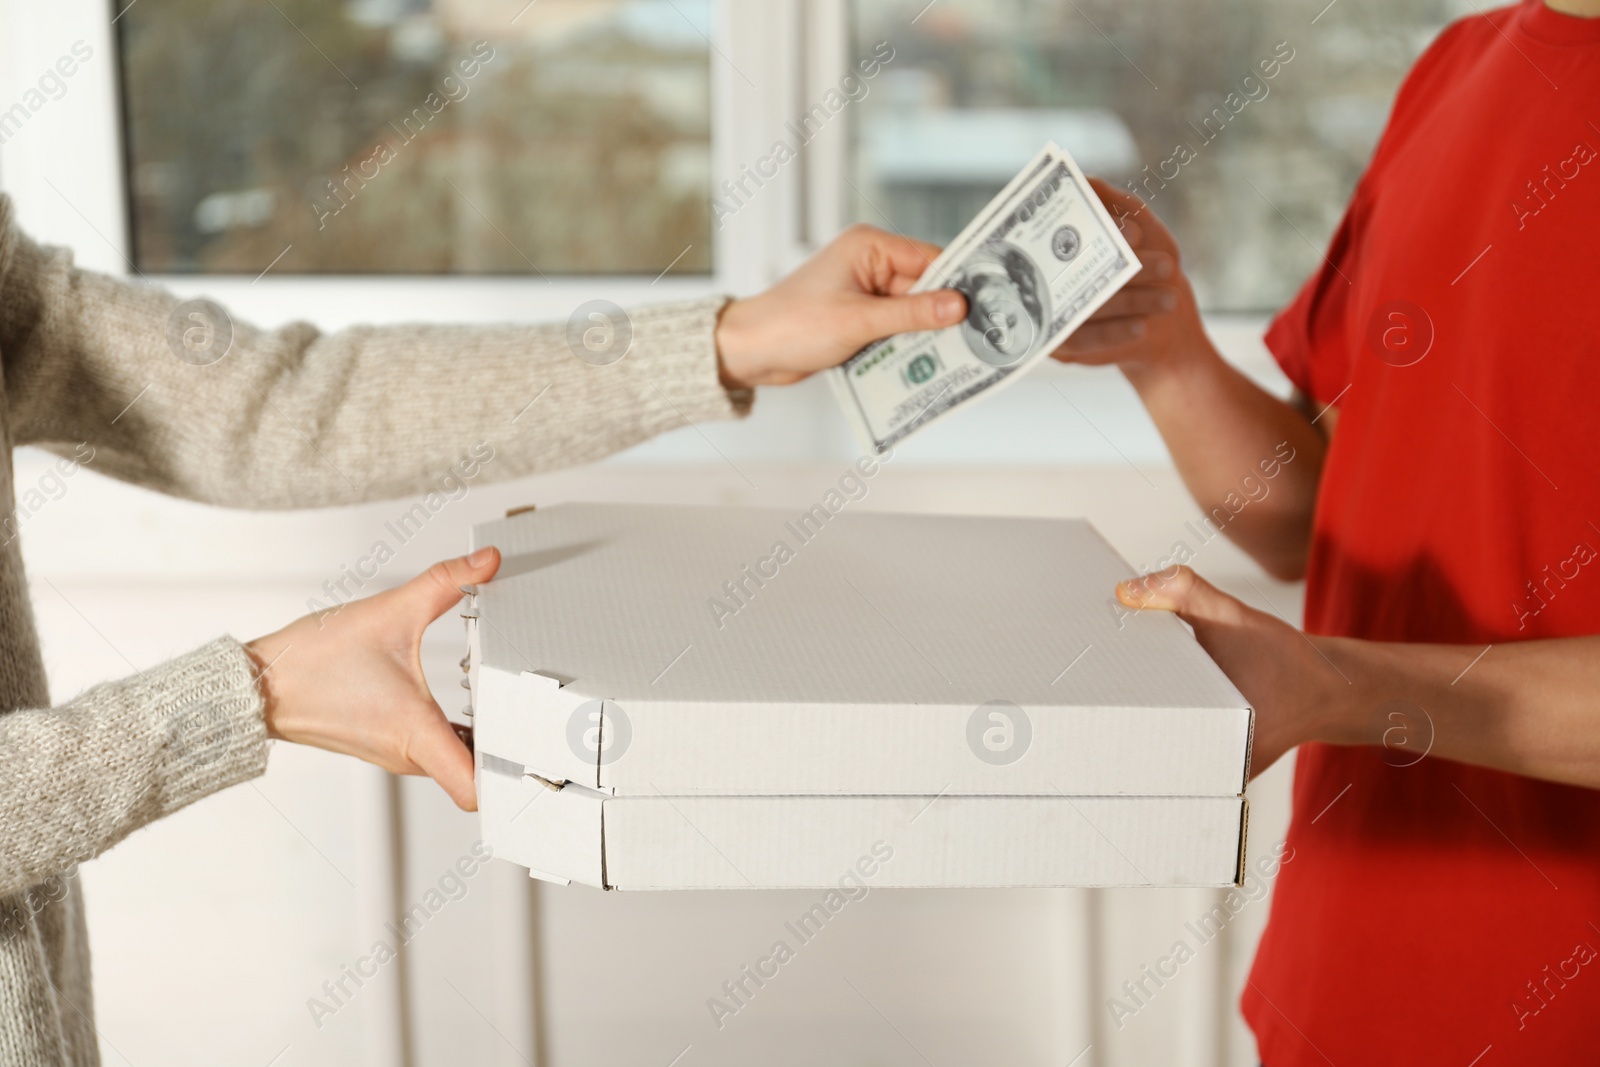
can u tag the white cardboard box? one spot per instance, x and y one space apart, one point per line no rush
706 697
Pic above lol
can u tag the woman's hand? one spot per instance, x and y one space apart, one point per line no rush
846 296
1151 321
350 679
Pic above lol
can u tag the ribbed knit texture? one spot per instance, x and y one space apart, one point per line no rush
287 418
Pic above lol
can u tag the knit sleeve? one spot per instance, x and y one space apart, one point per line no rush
187 400
76 779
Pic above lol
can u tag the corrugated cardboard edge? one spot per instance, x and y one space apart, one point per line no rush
599 764
1244 840
605 873
1249 750
1244 805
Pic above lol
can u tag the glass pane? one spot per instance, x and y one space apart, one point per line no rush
409 136
1251 183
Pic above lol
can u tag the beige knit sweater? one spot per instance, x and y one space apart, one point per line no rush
288 418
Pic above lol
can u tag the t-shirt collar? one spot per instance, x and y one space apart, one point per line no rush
1539 21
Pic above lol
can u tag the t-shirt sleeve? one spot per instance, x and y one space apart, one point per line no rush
1314 339
1310 338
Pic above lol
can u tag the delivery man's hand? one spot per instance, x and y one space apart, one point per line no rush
350 679
1297 693
1153 319
849 294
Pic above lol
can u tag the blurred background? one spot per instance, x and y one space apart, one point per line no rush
507 160
585 144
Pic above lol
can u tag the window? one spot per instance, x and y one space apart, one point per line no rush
409 137
347 136
1244 123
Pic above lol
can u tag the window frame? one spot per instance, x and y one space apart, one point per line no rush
65 171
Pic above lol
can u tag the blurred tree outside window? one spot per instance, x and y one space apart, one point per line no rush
417 137
1250 171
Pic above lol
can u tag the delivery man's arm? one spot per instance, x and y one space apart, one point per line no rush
1528 707
1227 436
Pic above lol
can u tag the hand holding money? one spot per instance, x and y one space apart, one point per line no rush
1154 319
1040 259
852 291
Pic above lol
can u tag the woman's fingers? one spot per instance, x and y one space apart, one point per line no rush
907 257
436 751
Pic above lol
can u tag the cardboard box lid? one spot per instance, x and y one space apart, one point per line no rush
690 650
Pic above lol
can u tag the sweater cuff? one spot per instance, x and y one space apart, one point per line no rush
684 383
216 735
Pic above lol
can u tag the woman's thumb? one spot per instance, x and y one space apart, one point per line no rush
885 316
434 591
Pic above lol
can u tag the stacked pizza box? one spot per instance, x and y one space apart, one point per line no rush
697 698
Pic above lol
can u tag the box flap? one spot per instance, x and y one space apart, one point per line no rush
555 833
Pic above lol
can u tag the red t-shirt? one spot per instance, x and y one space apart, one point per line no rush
1432 911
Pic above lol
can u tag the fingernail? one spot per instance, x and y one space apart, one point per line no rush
1137 328
1169 300
1164 269
480 557
1134 588
949 307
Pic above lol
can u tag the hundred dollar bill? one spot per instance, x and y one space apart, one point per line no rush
1036 262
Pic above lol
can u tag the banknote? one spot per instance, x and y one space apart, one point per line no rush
1037 261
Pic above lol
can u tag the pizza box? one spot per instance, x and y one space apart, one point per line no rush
757 669
580 835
